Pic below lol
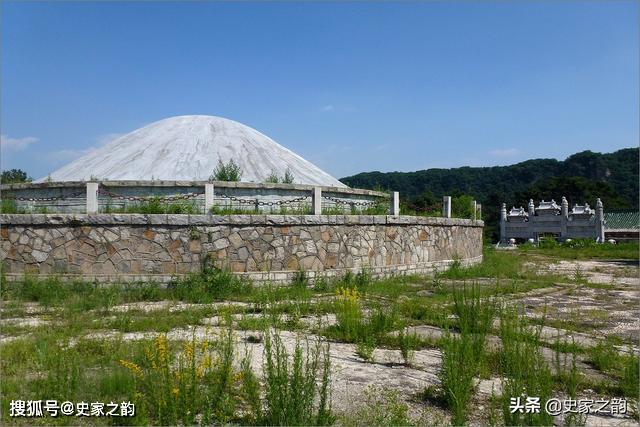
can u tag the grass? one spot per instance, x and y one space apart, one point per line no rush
353 325
630 378
302 209
156 206
525 372
64 374
365 348
210 285
61 360
207 286
383 407
77 295
198 380
460 365
584 249
603 357
408 344
475 313
496 264
9 206
290 386
463 355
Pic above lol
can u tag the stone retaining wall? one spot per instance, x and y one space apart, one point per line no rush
129 247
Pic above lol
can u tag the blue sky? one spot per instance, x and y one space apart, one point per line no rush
351 86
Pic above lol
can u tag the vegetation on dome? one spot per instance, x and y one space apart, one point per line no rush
274 178
229 171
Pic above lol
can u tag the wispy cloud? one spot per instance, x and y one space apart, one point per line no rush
333 108
17 144
504 152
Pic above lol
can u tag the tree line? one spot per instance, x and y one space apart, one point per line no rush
582 177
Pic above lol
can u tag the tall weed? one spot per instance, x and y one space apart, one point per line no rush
290 384
525 372
459 366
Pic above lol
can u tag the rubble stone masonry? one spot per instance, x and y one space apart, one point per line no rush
131 247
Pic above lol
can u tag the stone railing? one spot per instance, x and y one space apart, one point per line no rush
114 196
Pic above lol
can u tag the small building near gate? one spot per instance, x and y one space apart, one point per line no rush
622 225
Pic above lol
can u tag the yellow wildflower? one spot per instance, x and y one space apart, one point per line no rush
204 365
148 353
134 368
188 350
161 347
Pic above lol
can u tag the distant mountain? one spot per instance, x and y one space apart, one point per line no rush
581 178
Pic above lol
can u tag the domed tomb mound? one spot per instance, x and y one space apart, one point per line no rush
189 148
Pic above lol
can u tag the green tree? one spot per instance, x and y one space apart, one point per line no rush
462 207
288 177
14 176
273 177
230 171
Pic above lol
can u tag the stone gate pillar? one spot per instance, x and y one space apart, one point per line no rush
503 223
531 208
564 218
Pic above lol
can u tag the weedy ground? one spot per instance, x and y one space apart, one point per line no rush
411 350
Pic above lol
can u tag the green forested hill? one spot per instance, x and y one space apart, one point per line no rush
581 178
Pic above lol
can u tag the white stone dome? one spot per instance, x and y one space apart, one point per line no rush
188 148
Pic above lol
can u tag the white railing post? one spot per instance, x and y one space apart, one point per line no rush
474 206
503 223
92 197
479 210
600 236
446 206
208 197
395 203
316 201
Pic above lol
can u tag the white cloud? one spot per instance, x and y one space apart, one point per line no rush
332 108
16 144
505 152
